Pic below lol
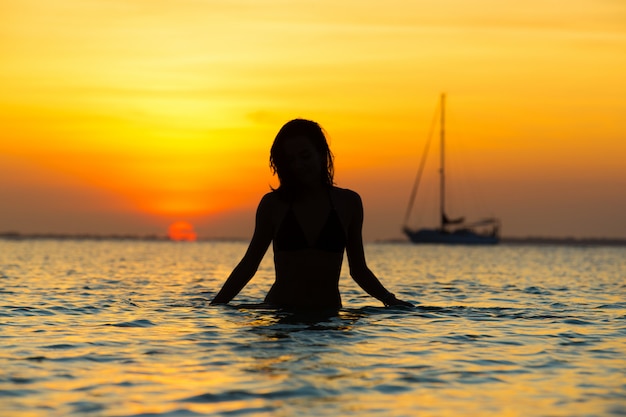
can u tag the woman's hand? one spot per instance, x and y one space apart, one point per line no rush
391 300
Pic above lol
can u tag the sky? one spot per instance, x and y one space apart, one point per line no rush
126 116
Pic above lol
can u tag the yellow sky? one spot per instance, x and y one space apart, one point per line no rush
122 116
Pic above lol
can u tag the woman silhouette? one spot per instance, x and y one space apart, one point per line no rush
310 222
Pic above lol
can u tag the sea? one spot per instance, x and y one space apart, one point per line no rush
124 328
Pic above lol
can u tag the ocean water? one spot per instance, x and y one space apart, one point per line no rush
121 328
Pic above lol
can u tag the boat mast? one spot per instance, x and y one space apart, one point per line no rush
442 182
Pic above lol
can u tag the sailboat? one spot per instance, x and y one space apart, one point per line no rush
450 231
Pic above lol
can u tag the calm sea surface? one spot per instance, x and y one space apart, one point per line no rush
113 328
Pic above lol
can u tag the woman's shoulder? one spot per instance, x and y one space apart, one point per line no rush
346 196
345 192
348 204
271 208
273 200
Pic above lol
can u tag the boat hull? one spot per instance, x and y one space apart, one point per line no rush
461 237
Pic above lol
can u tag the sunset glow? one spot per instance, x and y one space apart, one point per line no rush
165 110
181 231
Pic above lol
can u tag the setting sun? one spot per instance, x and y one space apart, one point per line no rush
181 232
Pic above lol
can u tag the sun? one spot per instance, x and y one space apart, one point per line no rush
181 231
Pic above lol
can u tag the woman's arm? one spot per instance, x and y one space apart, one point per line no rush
359 270
247 267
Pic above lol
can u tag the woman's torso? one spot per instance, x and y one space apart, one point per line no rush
309 241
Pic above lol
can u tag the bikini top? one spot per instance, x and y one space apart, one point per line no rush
291 237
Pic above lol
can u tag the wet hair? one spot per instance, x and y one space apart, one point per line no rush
315 134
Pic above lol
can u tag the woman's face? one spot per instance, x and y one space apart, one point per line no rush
303 161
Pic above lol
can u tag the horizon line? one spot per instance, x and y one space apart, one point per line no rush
12 235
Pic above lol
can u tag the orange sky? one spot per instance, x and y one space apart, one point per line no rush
122 116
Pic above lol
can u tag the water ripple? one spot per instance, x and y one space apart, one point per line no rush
133 323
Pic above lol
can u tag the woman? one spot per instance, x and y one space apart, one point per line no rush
310 223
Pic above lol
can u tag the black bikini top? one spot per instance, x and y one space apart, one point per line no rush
291 237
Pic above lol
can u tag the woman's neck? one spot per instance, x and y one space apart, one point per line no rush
310 192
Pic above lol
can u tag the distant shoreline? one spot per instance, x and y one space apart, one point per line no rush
546 241
570 241
531 240
93 236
